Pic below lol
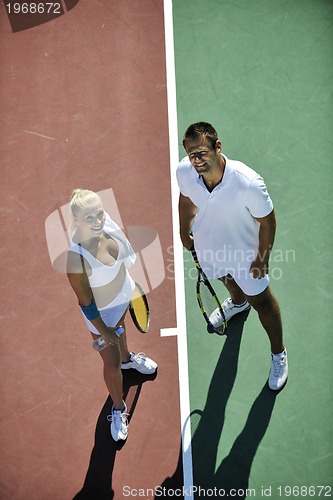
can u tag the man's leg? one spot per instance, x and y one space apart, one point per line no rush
236 294
268 311
269 314
267 308
235 304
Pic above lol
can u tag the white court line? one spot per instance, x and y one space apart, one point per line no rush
39 135
180 330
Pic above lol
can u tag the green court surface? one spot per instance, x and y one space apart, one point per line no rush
261 71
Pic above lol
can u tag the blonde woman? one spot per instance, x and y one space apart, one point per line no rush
97 267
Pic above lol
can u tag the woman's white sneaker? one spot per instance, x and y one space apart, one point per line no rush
141 363
279 371
119 424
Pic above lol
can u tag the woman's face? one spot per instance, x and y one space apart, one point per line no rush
90 221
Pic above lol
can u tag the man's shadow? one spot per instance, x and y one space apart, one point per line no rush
98 480
207 426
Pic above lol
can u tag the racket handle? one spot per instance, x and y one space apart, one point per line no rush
100 344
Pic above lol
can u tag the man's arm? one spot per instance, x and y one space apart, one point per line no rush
267 229
187 212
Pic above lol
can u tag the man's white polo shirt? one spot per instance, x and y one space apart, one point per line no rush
226 234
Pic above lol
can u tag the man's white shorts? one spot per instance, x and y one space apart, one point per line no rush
248 284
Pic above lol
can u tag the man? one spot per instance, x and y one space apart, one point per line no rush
227 213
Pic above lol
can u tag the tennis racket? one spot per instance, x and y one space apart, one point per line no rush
139 309
208 301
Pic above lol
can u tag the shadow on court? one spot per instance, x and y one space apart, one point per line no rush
207 427
98 480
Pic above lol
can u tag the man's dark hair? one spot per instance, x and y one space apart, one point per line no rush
196 130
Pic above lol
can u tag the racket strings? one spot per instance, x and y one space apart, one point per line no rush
211 306
208 300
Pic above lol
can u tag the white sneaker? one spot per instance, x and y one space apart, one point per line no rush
140 363
119 424
229 309
279 371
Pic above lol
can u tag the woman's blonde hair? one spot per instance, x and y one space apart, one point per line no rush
81 198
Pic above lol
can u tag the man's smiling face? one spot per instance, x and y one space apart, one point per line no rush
203 157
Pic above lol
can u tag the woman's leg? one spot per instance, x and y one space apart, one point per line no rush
112 357
112 373
125 354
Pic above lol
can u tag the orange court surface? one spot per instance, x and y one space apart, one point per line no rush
83 104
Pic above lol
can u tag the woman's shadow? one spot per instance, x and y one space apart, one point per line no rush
98 480
207 426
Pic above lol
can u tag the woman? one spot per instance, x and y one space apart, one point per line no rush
97 267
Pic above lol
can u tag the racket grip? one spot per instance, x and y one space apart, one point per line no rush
100 344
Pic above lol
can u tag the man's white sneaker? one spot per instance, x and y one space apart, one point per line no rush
279 371
140 363
229 309
119 424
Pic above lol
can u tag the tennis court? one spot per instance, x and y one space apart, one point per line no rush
88 100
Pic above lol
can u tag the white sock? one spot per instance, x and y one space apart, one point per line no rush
239 305
279 355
